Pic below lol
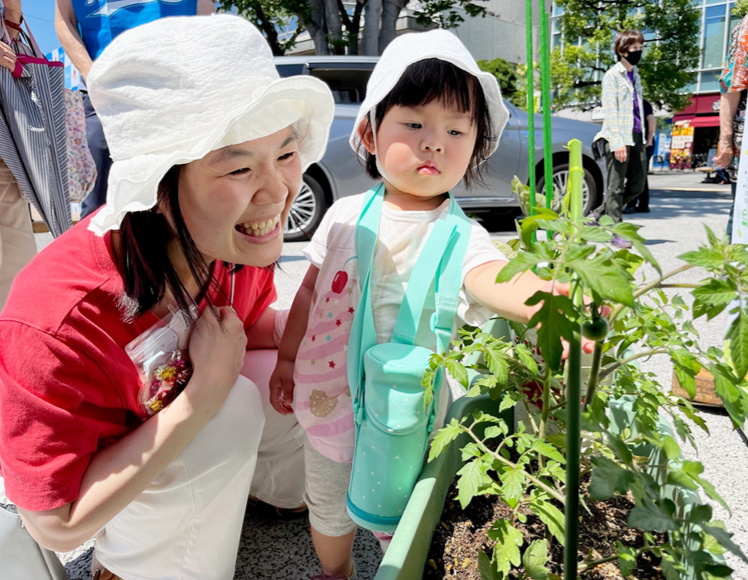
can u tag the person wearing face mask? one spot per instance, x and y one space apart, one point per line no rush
623 129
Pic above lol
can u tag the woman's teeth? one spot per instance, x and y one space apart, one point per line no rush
259 228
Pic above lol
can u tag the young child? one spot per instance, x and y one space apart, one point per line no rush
428 121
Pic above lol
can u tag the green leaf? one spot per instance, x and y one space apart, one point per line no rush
630 232
492 432
626 559
604 278
670 447
513 481
506 551
526 358
470 450
704 258
649 515
551 516
737 334
509 400
471 479
725 539
716 291
594 234
608 478
553 318
524 261
487 571
457 370
620 448
733 397
534 560
444 437
548 450
681 479
495 358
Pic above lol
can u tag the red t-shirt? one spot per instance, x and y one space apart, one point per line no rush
67 387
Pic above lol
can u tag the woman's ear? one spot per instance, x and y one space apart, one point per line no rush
367 135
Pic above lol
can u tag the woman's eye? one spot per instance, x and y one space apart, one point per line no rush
287 156
241 171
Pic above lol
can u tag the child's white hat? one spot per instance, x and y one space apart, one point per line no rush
410 48
171 91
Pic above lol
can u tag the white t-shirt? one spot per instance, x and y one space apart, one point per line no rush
322 398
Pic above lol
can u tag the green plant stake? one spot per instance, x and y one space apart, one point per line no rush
545 78
530 107
576 175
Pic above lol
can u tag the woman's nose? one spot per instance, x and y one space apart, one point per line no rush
271 188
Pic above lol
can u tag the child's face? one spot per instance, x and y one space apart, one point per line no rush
425 150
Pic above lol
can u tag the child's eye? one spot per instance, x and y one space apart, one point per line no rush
414 125
287 156
241 171
455 132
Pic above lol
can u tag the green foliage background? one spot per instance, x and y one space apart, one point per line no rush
671 50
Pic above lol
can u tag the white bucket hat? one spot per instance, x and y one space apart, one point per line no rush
413 47
173 90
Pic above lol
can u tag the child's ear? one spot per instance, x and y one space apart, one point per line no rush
366 135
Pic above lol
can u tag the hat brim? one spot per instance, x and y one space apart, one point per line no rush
137 178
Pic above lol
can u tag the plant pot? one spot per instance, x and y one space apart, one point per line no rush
406 555
705 393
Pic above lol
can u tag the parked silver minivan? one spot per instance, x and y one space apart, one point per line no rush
339 172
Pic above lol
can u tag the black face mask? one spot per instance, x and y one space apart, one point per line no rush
634 57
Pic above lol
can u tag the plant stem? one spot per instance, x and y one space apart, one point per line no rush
616 310
549 490
682 285
588 565
597 357
544 412
613 367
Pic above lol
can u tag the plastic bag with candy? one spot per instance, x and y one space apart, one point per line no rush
160 354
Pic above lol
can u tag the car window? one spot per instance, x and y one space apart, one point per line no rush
289 70
347 85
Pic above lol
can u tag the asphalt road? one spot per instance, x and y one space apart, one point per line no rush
281 549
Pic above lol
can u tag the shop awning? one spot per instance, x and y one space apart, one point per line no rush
708 121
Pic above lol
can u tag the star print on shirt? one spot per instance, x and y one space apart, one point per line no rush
337 322
327 299
331 364
314 337
314 362
351 310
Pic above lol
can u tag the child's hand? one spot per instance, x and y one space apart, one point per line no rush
562 289
282 386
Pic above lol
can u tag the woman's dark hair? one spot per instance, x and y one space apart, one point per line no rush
430 80
143 260
625 39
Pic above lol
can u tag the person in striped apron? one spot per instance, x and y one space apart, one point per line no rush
85 28
17 245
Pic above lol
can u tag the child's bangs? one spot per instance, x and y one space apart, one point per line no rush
436 80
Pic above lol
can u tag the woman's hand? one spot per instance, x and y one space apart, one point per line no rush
7 57
726 152
217 354
621 154
282 386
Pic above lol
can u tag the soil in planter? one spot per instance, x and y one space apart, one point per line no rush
462 534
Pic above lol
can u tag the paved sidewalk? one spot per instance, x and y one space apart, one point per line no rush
276 549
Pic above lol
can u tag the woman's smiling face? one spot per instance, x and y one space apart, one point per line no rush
235 201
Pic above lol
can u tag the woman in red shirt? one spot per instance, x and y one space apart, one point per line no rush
209 146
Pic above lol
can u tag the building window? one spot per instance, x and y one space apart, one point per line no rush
714 36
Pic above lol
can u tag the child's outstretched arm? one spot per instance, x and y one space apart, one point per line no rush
281 381
508 299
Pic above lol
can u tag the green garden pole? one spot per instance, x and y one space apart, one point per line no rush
576 175
545 68
574 387
530 105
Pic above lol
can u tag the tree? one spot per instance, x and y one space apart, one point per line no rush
506 74
671 49
336 29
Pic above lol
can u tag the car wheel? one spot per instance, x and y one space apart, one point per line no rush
561 181
306 211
